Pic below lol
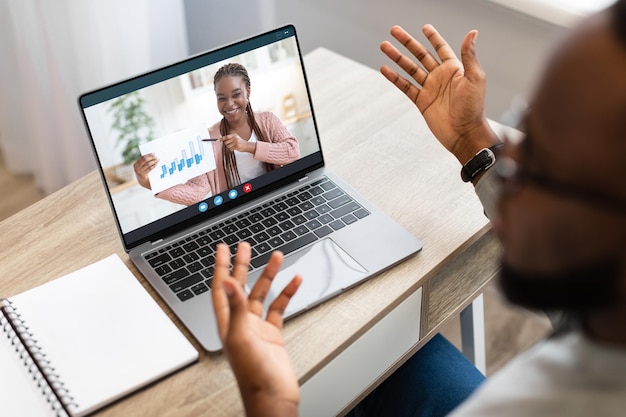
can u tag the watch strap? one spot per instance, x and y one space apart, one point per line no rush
482 161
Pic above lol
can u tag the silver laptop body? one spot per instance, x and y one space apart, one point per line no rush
339 239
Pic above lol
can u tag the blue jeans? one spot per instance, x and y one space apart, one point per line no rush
436 379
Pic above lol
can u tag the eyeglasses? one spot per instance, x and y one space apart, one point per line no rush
513 177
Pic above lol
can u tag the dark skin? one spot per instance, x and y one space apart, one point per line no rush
575 116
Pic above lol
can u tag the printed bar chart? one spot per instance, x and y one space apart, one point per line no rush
182 155
178 164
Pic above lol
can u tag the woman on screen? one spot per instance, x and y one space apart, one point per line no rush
248 143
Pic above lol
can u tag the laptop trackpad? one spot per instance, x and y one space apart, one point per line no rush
325 268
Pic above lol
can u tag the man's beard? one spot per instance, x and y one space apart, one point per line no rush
590 287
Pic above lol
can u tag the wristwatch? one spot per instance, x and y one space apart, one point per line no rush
482 161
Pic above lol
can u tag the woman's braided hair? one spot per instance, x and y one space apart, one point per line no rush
228 156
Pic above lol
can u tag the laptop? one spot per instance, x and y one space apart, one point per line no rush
170 223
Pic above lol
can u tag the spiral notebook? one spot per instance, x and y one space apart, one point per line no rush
75 344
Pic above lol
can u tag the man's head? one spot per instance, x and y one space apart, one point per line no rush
563 227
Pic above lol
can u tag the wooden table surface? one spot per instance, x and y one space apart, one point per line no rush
374 138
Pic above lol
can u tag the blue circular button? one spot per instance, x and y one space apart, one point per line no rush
218 200
203 207
232 194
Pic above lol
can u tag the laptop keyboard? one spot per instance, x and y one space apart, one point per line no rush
287 223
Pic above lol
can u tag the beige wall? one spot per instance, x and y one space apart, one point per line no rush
512 46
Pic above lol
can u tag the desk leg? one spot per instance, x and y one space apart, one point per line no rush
473 333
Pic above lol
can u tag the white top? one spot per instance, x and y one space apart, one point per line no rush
248 167
569 375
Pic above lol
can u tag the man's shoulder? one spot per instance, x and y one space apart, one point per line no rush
557 377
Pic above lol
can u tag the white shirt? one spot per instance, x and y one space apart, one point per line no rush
569 375
248 167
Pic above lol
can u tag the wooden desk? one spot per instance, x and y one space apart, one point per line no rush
373 137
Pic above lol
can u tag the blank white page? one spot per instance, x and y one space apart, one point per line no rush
103 333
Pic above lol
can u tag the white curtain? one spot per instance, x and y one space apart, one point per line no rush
51 52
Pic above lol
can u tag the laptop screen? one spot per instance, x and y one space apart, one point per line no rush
186 142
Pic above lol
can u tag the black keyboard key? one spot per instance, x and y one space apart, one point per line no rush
177 252
185 295
268 212
275 242
243 223
299 219
269 222
163 269
261 237
340 201
304 196
286 225
200 288
159 260
316 190
263 247
208 272
281 216
311 214
328 185
191 257
274 231
289 235
191 246
301 230
208 261
217 235
172 277
307 205
194 267
203 252
231 240
361 213
203 241
325 218
186 282
256 228
349 219
294 211
288 247
332 194
323 231
313 224
243 234
343 210
177 263
337 224
229 229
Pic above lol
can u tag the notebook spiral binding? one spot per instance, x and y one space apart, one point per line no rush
35 361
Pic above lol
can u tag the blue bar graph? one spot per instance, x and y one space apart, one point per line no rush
179 164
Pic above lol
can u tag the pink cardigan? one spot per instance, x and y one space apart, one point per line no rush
281 149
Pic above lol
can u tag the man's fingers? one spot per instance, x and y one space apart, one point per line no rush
237 304
220 299
262 286
418 50
401 83
408 65
473 70
441 46
279 305
242 262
